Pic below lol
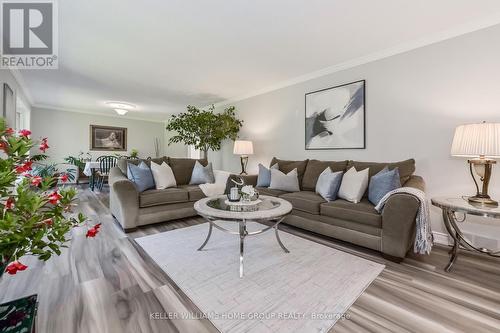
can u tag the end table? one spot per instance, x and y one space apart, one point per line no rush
450 206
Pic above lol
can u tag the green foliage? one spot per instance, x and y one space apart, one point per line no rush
34 218
134 153
78 162
204 129
50 170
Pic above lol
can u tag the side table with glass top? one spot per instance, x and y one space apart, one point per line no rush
268 209
450 207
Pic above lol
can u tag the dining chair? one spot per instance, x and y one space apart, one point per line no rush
105 164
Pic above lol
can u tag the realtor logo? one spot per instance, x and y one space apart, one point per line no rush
29 34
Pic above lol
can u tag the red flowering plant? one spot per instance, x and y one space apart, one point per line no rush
35 216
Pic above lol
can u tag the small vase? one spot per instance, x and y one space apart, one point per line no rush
245 198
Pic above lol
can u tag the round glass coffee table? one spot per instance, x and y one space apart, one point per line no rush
268 209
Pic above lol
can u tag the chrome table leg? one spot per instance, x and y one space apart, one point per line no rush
243 233
208 236
279 240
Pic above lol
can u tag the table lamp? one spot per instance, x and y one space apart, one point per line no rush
481 143
243 148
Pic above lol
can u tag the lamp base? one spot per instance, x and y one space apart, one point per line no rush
243 162
483 201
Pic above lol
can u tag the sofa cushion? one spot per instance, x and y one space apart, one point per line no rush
315 168
121 163
306 201
141 176
202 174
287 166
361 212
406 168
285 182
270 192
162 197
194 192
183 168
264 176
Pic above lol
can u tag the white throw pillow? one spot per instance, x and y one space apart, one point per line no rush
354 185
288 182
163 175
221 176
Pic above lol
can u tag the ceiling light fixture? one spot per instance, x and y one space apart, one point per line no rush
121 105
121 112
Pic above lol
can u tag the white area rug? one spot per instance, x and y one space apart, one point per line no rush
306 290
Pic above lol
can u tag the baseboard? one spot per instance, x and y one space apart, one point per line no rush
441 238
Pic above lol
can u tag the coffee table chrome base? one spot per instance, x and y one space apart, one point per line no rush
242 233
451 224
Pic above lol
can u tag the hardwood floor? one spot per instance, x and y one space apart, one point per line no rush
107 284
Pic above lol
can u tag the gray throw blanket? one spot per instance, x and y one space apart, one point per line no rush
423 234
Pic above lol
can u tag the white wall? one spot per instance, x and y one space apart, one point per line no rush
68 133
414 101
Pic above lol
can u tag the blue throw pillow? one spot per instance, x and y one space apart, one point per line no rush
264 177
202 175
328 184
141 176
382 183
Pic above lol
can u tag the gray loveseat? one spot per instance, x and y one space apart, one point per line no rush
391 232
133 209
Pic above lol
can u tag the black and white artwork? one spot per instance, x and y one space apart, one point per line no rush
108 138
335 117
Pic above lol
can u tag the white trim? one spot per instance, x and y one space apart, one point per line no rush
441 238
398 49
22 84
111 114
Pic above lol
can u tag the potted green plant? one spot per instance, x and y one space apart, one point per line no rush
134 153
204 129
35 218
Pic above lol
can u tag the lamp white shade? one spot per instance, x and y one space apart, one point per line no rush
243 147
477 140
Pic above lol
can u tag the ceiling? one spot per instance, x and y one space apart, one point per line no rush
163 55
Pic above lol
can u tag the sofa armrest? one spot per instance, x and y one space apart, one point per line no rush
248 179
415 182
398 220
123 199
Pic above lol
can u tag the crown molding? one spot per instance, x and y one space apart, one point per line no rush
44 107
389 52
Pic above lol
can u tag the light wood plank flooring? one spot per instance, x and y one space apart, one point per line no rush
108 284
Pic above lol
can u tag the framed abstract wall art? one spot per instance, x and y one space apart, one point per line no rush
335 117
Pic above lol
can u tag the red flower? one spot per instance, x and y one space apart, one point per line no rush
9 131
36 180
54 197
64 177
43 145
93 231
48 222
25 133
25 167
4 146
15 266
9 204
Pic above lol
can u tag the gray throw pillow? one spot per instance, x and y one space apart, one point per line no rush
329 183
141 176
264 177
202 175
382 183
285 182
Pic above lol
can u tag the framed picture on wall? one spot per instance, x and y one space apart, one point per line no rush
335 117
9 103
108 138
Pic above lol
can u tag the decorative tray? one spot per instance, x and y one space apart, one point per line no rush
241 203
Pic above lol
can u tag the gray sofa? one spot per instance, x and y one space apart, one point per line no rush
133 209
391 232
